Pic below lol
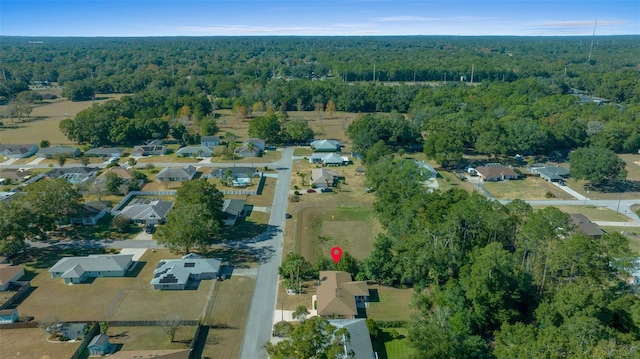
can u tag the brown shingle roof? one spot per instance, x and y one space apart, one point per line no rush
336 294
7 272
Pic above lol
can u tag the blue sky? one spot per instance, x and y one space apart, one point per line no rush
323 17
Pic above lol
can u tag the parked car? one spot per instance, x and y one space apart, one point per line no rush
326 189
150 228
288 216
311 190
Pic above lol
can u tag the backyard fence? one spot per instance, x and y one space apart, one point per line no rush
24 286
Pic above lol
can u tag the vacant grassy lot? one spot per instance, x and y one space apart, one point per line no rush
115 298
594 213
387 303
31 343
529 188
352 228
46 126
149 338
228 316
389 348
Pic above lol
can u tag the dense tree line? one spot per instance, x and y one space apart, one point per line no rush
499 281
224 66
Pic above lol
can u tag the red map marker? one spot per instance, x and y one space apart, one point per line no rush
336 253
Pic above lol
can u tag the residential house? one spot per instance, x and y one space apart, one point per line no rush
322 178
210 141
427 170
149 150
328 159
359 339
14 175
8 316
9 274
551 173
338 296
123 173
584 226
50 152
146 211
232 209
176 174
92 212
496 172
73 174
244 174
148 354
177 273
78 269
361 171
100 345
326 146
18 150
251 147
73 330
105 152
256 143
195 151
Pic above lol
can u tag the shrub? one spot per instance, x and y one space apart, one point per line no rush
549 195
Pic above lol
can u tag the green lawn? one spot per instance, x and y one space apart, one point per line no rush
532 188
593 213
387 303
389 348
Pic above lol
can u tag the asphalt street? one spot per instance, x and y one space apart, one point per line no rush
260 319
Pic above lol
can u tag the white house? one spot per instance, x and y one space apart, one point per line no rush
8 316
176 273
78 269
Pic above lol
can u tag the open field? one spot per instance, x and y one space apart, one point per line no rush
49 114
531 188
387 303
594 213
389 348
352 228
228 317
149 338
31 343
124 298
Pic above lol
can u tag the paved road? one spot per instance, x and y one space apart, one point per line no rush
98 243
263 304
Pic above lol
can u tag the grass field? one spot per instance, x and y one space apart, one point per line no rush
389 348
531 188
594 213
49 114
352 228
388 303
228 317
31 343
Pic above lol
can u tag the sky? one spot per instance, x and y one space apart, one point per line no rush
134 18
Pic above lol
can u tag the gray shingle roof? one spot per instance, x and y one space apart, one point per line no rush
178 271
156 209
359 341
73 267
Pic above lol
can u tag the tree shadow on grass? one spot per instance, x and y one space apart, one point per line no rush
619 187
381 339
46 257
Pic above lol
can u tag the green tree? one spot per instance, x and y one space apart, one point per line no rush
113 182
599 166
45 144
300 313
51 202
316 338
295 269
297 130
60 158
78 91
16 226
265 127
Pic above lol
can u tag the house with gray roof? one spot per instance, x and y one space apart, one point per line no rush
146 211
149 150
232 209
322 177
235 172
359 342
100 345
105 152
326 146
195 151
551 173
328 159
12 150
66 151
177 274
210 141
583 225
78 269
427 170
248 151
73 174
176 174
